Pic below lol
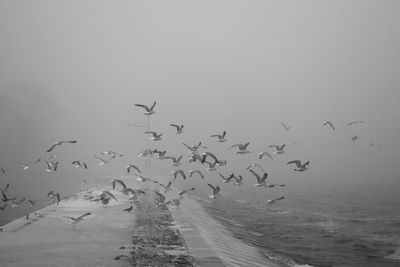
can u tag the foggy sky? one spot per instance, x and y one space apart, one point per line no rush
75 69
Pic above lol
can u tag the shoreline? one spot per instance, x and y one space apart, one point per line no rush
207 242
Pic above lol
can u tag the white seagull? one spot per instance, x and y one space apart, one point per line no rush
329 123
272 201
242 148
354 122
176 172
300 167
155 137
215 190
176 161
226 179
221 137
128 168
191 172
149 111
111 153
76 220
287 128
278 149
104 161
179 128
265 153
261 181
60 143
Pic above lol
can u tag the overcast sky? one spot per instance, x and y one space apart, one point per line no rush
75 69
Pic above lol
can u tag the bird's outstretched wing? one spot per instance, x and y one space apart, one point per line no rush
111 195
297 162
84 215
143 106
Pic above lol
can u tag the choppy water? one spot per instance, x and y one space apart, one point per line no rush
355 226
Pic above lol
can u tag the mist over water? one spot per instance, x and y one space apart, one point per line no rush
72 71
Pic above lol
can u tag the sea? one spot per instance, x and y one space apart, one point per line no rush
319 225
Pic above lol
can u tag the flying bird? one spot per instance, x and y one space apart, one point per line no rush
261 181
272 201
354 122
149 111
300 167
285 127
194 148
191 172
329 123
184 191
167 187
114 181
176 172
76 220
108 152
128 209
238 180
226 179
60 143
104 161
179 128
5 188
128 168
79 164
265 153
3 171
242 148
176 161
215 191
161 154
221 137
24 166
155 137
354 138
278 149
110 195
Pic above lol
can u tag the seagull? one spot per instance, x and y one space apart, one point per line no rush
226 179
5 198
3 171
114 181
211 166
76 220
272 201
24 166
106 194
279 149
149 111
179 128
60 143
256 165
184 191
51 166
265 153
155 137
78 164
176 172
354 138
161 154
191 172
108 152
242 148
300 167
128 209
208 154
238 180
194 148
261 181
146 153
354 122
31 203
176 161
104 161
287 128
221 137
194 156
215 191
329 123
128 168
167 187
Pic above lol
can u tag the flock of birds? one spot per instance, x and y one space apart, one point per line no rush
197 153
